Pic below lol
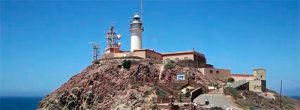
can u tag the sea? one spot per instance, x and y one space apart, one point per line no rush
31 103
19 103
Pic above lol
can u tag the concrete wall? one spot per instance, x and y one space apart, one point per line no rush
217 74
112 50
237 78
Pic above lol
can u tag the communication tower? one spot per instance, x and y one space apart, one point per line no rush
112 38
96 48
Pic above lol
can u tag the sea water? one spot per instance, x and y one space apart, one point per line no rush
19 103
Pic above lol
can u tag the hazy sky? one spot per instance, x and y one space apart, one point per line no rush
44 43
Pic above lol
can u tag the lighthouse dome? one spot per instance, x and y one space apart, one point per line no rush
136 16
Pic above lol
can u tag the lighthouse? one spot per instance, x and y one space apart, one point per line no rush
136 29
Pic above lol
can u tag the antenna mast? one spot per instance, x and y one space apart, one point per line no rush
96 48
142 10
112 38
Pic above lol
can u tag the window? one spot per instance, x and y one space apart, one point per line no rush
180 77
217 71
211 71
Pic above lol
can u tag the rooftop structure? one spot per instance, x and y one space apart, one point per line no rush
136 29
255 82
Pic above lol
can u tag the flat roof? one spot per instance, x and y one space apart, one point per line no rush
147 50
182 53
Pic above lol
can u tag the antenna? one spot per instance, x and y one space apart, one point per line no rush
112 38
142 10
96 48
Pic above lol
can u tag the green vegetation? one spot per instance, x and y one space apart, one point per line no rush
160 92
169 65
233 92
126 64
231 80
246 104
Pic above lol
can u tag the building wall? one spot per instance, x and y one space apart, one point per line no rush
237 78
255 85
112 50
200 60
179 57
153 55
217 74
263 85
140 53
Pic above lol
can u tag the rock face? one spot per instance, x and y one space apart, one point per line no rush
107 85
253 100
113 84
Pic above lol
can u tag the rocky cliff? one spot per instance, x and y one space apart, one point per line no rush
107 84
126 84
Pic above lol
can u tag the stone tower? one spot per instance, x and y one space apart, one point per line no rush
260 82
259 74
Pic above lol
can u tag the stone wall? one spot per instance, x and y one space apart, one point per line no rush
215 74
255 85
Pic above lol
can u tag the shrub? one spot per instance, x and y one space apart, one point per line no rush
126 64
154 107
96 62
188 92
231 80
119 66
168 65
160 92
147 93
216 108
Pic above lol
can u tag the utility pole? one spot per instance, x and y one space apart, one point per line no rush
280 94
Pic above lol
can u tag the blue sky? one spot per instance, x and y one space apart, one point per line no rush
44 43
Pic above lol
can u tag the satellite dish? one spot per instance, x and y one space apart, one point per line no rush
119 44
118 36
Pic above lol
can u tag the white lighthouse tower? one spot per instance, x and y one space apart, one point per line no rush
136 29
